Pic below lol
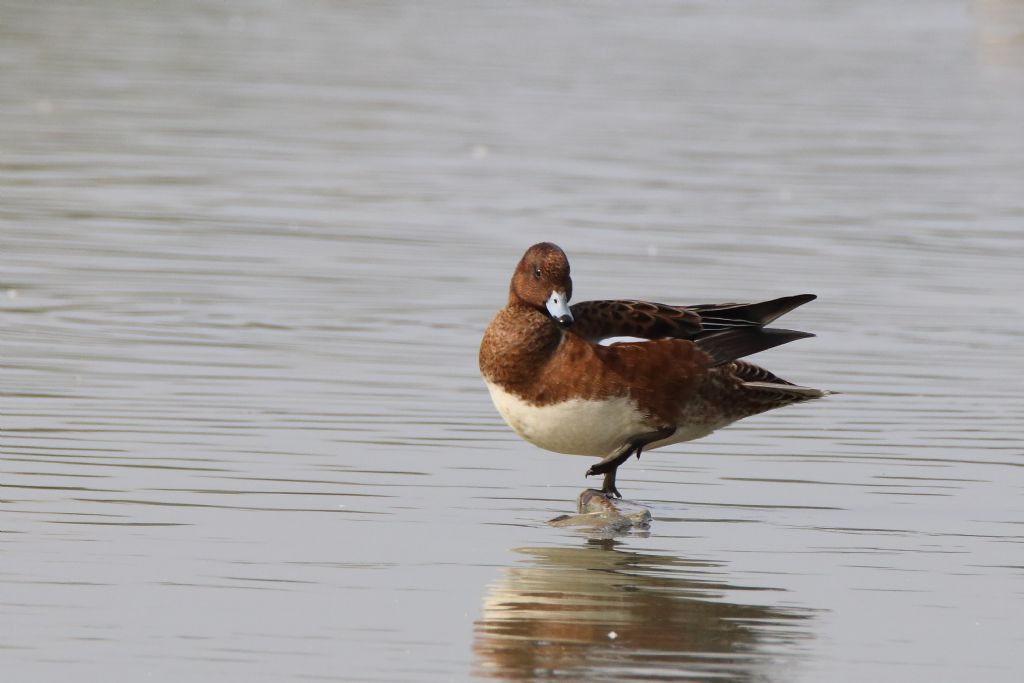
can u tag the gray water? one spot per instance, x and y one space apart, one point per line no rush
247 251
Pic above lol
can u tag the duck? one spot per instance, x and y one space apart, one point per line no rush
613 378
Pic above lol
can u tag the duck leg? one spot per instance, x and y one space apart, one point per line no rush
608 487
610 464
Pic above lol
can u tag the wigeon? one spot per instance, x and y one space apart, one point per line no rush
560 384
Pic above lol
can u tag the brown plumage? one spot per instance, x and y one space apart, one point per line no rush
559 388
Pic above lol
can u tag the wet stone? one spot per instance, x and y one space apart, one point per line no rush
597 510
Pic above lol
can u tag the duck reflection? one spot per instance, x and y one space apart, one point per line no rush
598 612
999 31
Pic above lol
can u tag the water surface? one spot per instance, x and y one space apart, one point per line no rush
248 250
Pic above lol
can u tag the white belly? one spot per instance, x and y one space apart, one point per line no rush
583 427
576 426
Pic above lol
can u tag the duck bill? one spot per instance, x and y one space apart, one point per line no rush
558 308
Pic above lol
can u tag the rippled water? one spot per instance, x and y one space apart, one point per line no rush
248 250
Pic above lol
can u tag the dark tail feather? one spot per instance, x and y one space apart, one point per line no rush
717 317
765 383
738 342
790 393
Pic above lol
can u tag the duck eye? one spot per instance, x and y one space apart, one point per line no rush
536 272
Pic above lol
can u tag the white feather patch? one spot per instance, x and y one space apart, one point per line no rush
620 340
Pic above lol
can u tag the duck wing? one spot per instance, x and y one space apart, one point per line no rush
600 320
597 321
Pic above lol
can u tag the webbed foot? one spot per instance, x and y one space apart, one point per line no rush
608 487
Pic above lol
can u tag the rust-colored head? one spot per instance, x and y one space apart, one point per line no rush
542 281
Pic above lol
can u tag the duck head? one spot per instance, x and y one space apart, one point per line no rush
542 282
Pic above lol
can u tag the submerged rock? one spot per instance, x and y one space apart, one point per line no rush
599 511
